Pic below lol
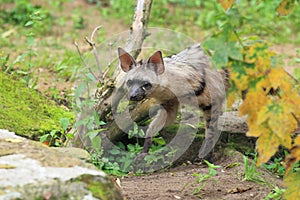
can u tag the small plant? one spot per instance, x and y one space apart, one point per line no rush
78 21
251 173
275 194
23 12
136 132
276 167
58 137
203 178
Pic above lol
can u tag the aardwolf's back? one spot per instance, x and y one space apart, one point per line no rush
192 56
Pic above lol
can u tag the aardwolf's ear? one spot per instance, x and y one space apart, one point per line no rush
126 60
158 62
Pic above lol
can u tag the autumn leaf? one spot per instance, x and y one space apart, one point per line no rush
256 131
241 81
282 125
253 102
14 140
267 145
285 7
230 99
226 4
278 78
293 187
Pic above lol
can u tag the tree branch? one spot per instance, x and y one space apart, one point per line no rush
92 44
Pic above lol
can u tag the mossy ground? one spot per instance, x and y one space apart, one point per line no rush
25 111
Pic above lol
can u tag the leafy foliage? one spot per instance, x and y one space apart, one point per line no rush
285 7
26 14
272 95
293 186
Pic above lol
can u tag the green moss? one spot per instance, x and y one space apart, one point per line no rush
101 187
25 111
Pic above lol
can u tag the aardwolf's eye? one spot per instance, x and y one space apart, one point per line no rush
129 83
147 85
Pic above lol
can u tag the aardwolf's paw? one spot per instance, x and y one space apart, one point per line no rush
200 161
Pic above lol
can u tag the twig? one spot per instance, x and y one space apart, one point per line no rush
83 61
92 44
290 75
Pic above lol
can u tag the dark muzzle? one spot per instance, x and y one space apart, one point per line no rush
137 94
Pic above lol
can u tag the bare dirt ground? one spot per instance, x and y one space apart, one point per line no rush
181 183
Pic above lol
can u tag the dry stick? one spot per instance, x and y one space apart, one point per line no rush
138 31
83 61
92 44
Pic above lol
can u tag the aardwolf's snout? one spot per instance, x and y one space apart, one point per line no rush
137 94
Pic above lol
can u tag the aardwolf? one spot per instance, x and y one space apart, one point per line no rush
168 80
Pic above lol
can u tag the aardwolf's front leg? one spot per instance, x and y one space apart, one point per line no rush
155 126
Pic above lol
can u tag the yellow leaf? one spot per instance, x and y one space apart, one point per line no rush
14 140
253 102
263 114
230 99
256 131
267 145
294 156
283 125
293 186
250 54
262 64
278 78
297 140
291 101
241 81
285 7
226 4
6 166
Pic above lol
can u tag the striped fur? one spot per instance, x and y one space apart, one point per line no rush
176 79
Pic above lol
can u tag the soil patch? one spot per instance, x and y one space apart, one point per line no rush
181 183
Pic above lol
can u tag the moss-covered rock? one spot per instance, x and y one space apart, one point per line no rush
25 111
31 170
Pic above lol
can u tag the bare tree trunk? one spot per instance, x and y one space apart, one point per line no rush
138 32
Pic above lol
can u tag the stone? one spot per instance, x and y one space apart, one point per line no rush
31 170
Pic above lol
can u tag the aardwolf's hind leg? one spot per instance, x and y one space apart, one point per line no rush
211 115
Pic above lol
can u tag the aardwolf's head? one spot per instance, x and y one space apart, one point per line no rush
142 78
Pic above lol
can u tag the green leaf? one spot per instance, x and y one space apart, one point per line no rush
114 151
212 43
92 134
235 51
96 143
70 135
44 138
159 141
141 133
29 23
53 133
64 122
91 77
220 58
30 40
